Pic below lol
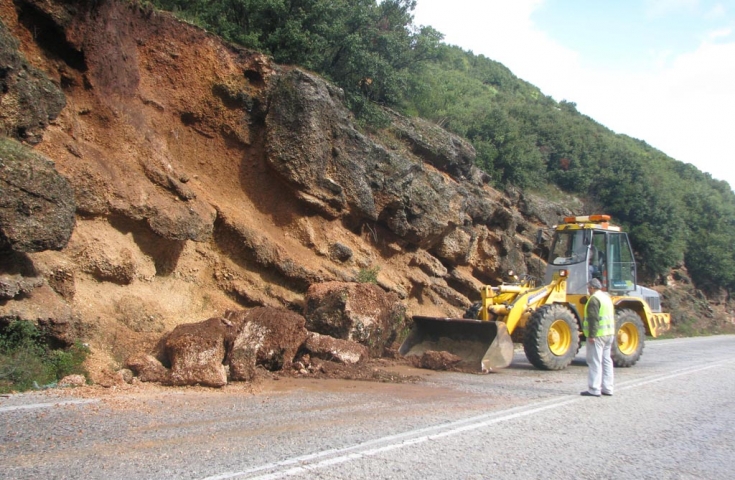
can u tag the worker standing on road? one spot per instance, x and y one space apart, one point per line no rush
599 329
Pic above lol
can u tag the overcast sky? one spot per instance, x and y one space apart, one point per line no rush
662 71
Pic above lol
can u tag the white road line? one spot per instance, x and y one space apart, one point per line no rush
311 462
678 373
47 405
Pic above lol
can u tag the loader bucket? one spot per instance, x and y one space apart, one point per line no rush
483 346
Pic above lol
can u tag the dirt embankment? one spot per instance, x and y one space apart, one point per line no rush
206 178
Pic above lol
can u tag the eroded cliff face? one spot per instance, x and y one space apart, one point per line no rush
205 178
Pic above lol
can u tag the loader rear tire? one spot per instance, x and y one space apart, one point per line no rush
630 336
552 337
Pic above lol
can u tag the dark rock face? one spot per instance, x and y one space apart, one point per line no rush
314 147
28 98
36 203
448 153
340 252
310 142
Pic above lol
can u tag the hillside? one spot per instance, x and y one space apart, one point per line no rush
196 177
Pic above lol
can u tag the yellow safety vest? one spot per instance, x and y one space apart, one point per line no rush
606 326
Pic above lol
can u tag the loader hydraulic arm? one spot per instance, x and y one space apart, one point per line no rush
508 303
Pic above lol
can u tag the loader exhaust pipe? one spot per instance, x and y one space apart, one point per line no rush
483 346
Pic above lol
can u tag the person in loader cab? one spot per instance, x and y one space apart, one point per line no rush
599 329
597 263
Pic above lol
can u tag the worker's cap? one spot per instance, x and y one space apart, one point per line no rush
595 283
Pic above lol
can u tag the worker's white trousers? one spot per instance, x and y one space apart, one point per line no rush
601 376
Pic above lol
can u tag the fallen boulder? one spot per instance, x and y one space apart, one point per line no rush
75 380
334 349
219 349
197 352
148 369
265 336
360 312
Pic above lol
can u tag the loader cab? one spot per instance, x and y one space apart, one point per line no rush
589 247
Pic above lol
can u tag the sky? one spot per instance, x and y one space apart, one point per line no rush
662 71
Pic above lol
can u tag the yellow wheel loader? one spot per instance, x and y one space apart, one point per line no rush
547 319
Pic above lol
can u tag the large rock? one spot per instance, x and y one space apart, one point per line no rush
264 336
12 286
360 312
148 368
197 353
443 150
36 203
335 349
243 348
203 353
456 248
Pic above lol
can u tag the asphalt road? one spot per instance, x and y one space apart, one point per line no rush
672 416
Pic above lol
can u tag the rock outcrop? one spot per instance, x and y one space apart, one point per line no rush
168 177
36 203
29 100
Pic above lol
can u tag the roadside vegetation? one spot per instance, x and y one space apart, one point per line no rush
28 362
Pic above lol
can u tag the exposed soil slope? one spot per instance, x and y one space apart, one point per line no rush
208 179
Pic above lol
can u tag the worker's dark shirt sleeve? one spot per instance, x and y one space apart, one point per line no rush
593 316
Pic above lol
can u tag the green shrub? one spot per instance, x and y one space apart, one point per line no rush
26 360
368 275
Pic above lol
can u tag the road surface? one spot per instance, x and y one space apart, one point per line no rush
672 416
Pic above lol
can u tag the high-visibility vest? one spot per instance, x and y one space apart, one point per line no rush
606 326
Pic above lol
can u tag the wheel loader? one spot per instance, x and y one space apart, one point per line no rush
546 317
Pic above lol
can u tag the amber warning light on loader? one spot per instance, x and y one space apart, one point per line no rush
587 219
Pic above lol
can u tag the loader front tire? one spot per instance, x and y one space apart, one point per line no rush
552 337
629 338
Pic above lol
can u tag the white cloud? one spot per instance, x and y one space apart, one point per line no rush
503 31
686 110
684 105
719 34
657 8
717 11
694 105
